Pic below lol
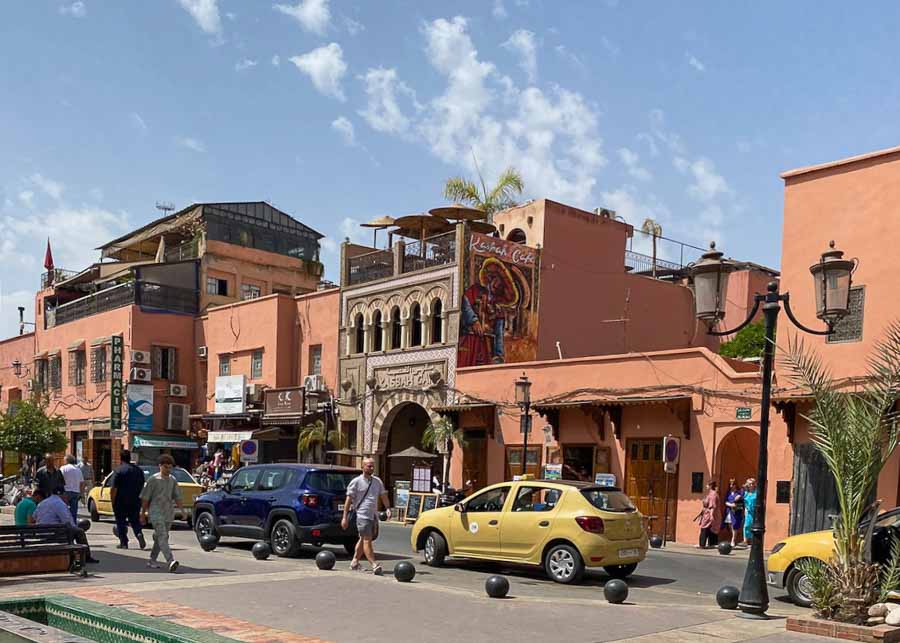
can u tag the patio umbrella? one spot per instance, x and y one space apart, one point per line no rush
482 227
413 452
457 212
378 224
342 452
418 226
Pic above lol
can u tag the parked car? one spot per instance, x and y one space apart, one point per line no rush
285 504
564 526
782 569
100 504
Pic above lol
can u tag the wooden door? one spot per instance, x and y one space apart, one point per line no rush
814 498
646 484
514 461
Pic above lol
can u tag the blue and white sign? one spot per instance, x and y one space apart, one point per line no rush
140 407
249 451
605 479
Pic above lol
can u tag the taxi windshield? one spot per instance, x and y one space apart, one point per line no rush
608 499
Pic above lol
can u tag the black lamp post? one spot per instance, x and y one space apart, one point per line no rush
832 277
523 399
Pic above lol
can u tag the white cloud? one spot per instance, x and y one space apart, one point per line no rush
244 64
276 60
353 27
26 197
231 15
383 90
76 10
344 127
51 188
694 62
138 122
650 142
499 11
523 43
325 66
661 133
313 15
708 184
205 13
632 163
569 56
191 144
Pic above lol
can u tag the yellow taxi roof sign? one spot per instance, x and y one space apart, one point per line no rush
524 476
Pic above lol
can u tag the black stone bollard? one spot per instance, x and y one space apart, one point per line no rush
404 571
724 548
261 550
208 542
325 560
727 597
496 586
615 591
655 542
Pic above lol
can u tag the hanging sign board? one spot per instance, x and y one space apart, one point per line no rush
117 363
605 479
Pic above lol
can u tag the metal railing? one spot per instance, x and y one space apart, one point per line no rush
167 298
434 251
55 276
370 266
188 250
671 256
147 294
643 265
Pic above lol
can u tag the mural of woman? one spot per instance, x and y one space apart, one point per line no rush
484 307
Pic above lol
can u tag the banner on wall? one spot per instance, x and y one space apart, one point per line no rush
140 407
498 324
117 361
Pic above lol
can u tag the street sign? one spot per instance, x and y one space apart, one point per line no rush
670 467
743 413
250 451
671 450
117 362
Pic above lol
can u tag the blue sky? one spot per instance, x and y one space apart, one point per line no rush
338 112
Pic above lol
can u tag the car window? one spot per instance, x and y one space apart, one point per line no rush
887 519
331 481
244 479
608 499
272 479
536 499
491 500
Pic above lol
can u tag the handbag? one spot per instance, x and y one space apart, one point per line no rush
352 515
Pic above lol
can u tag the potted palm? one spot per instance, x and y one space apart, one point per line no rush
439 436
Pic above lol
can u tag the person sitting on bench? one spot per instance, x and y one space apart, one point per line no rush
54 510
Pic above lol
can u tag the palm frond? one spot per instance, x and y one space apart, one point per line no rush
651 227
509 185
460 190
438 435
311 436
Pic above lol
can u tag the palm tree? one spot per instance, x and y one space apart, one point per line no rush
652 228
313 437
502 195
856 434
440 436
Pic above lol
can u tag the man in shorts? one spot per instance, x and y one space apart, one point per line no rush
159 498
363 493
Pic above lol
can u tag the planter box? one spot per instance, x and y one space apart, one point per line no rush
844 631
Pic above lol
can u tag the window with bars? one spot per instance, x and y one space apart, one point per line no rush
850 328
224 365
76 368
163 361
55 372
98 364
250 291
256 364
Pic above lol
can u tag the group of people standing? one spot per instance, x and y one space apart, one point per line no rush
734 515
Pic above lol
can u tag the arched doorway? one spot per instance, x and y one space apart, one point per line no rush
401 429
738 457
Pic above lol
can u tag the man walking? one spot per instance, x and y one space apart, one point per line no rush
363 493
125 494
48 477
53 510
158 500
87 472
74 484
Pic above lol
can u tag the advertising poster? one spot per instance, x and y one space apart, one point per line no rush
140 407
499 306
230 394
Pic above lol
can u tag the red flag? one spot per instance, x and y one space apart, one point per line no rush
48 258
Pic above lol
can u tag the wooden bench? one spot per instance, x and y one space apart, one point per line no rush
38 549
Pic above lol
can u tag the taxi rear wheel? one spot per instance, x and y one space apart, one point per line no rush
435 549
563 564
92 507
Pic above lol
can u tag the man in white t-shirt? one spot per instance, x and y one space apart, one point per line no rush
74 485
363 493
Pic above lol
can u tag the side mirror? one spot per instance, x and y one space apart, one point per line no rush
227 487
459 507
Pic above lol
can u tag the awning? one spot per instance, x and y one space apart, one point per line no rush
456 408
77 345
163 443
41 355
297 419
228 436
100 341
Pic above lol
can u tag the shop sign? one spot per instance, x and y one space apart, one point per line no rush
743 413
140 407
230 394
553 472
605 479
284 401
117 362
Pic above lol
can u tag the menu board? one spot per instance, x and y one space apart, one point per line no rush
401 493
414 506
429 502
421 481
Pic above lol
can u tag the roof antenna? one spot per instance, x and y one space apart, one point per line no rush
165 207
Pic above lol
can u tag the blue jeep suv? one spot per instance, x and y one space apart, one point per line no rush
284 504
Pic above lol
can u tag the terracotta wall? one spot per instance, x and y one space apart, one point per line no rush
318 315
21 348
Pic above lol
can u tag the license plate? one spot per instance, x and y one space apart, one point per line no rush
629 553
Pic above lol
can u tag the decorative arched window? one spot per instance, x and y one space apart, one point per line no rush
516 235
376 328
416 328
437 322
396 328
360 334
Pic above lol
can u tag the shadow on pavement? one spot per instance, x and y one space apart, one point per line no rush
534 576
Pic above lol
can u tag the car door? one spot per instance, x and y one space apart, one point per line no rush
234 508
476 530
260 501
528 521
104 501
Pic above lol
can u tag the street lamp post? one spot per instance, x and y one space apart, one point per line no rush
832 275
523 399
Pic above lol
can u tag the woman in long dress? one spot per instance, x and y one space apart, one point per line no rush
710 517
734 512
749 506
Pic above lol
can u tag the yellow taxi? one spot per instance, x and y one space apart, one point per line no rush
100 504
562 526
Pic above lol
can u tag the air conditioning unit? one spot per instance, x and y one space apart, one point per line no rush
605 213
140 374
202 352
178 390
140 357
313 383
179 417
29 385
254 392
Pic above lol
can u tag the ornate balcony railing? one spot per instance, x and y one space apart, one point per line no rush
433 251
370 266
